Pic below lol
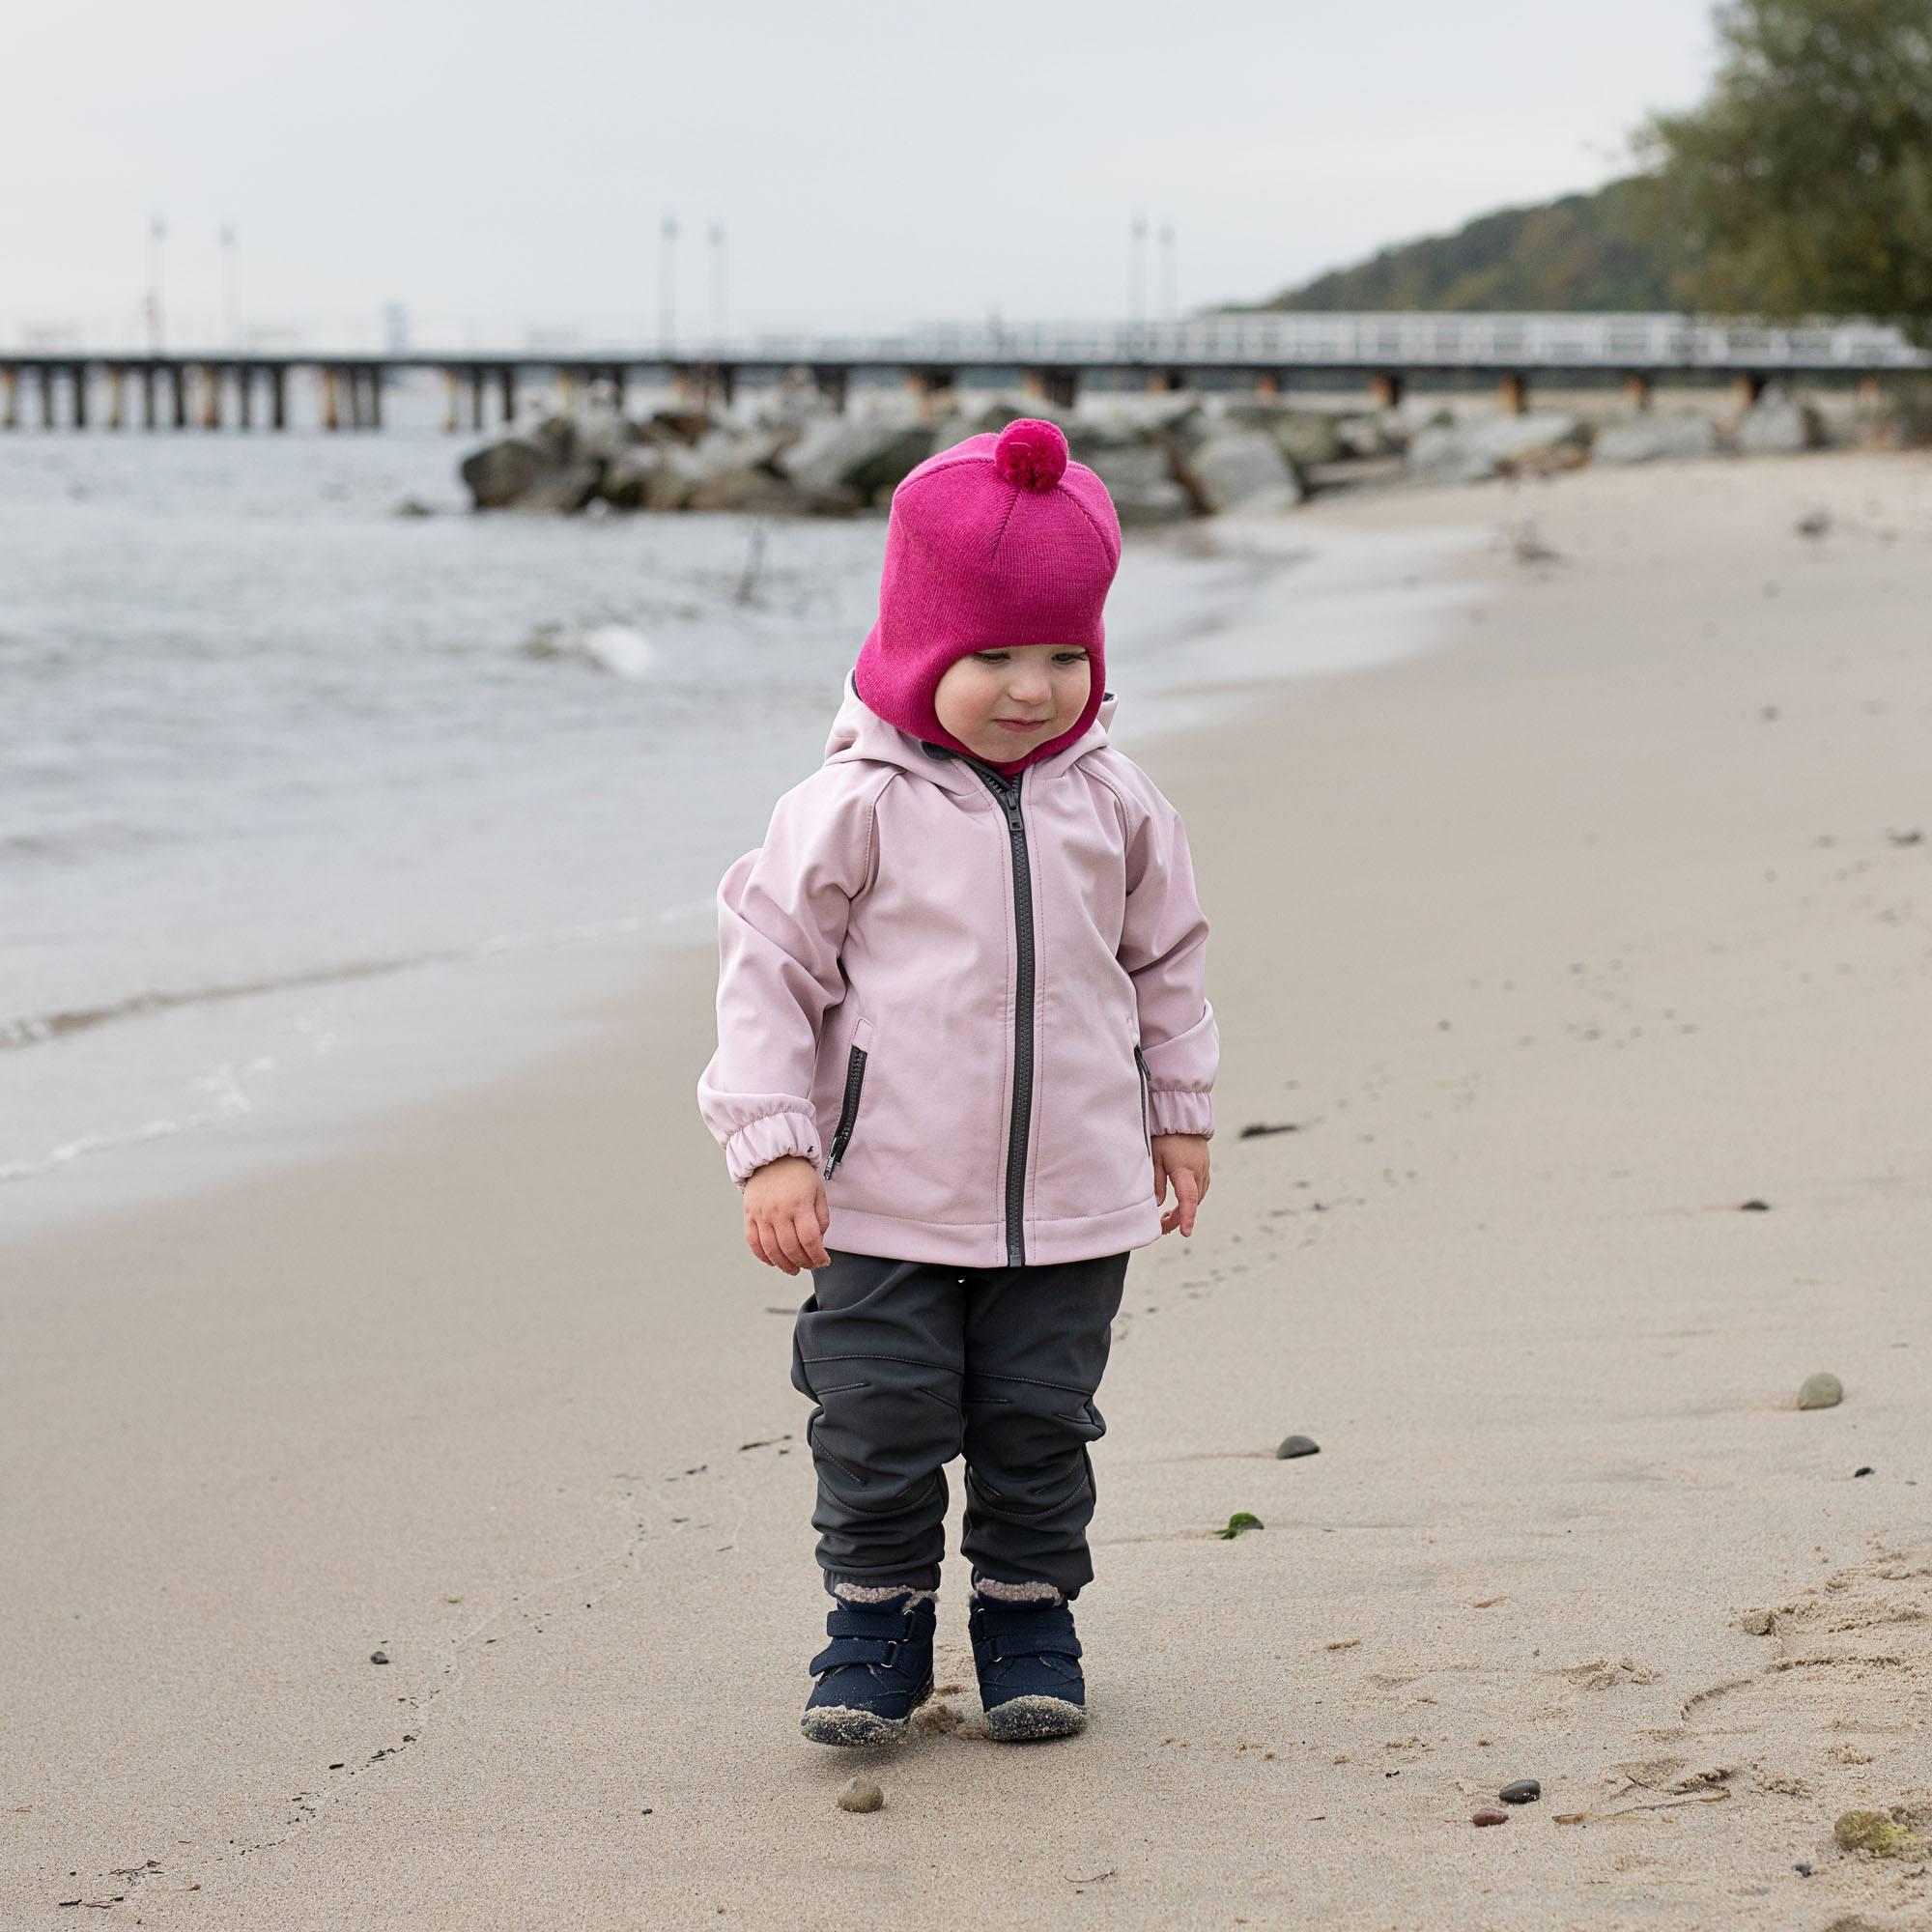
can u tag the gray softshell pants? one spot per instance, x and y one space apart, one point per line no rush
913 1363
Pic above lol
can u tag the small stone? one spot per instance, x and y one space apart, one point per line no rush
1488 1815
1754 1207
1524 1791
1298 1445
1863 1469
1869 1831
860 1794
1824 1390
379 1656
1755 1623
1803 1871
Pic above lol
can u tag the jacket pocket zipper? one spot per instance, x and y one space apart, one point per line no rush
848 1112
1146 1080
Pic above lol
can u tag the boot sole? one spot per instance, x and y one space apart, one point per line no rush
1020 1719
852 1724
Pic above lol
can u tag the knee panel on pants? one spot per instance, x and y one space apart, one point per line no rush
1026 1443
883 1426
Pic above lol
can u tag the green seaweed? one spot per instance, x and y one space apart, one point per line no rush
1240 1520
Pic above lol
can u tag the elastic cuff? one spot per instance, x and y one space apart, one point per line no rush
768 1138
1178 1110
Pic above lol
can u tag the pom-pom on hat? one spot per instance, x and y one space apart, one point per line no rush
999 541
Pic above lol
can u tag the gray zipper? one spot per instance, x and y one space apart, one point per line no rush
854 1080
1146 1079
1016 1135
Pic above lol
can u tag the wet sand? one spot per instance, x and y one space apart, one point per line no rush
1547 952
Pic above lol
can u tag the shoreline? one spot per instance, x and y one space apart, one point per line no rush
1535 943
437 1028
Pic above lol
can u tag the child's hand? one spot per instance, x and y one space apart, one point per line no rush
1183 1158
786 1214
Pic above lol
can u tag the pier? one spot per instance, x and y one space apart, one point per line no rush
1271 353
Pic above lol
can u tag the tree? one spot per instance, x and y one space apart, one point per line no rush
1802 185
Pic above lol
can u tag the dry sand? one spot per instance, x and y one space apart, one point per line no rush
1554 949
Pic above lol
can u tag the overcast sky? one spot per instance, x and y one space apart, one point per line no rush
497 168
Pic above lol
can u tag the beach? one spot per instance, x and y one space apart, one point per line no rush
1538 957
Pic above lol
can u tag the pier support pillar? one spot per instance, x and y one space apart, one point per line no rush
331 401
1386 389
1167 382
566 392
278 397
10 397
117 400
1060 387
506 392
835 385
377 381
150 418
1636 390
210 395
477 398
244 396
178 395
79 375
1746 387
1513 393
46 395
931 390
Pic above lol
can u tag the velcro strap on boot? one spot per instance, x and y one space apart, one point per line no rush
868 1620
1017 1630
845 1650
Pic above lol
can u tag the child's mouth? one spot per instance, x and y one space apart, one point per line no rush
1021 724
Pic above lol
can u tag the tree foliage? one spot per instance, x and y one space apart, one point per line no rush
1594 251
1802 185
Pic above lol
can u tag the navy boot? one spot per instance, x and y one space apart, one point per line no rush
874 1673
1028 1660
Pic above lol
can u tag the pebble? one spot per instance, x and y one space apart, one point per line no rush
1870 1831
379 1656
860 1794
1298 1445
1524 1791
1864 1469
1488 1815
1823 1390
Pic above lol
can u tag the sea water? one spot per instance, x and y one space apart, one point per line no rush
310 807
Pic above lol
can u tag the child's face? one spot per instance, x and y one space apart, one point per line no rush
1000 703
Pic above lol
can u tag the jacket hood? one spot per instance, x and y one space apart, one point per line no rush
859 732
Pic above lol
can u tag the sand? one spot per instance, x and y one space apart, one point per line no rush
1553 948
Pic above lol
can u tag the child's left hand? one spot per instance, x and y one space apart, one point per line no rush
1184 1158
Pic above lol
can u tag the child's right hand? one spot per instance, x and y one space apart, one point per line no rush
786 1214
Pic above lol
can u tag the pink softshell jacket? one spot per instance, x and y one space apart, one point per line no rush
972 1007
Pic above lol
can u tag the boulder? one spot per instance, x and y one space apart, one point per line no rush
1656 436
1141 484
499 473
1304 436
847 453
627 476
745 488
1778 424
672 480
1537 442
1236 469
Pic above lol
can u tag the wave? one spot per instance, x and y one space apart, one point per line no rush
38 1029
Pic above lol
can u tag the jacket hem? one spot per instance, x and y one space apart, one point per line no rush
983 1244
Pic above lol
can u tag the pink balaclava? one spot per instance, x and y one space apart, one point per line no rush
996 542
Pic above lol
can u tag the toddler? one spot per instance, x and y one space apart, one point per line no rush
970 947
